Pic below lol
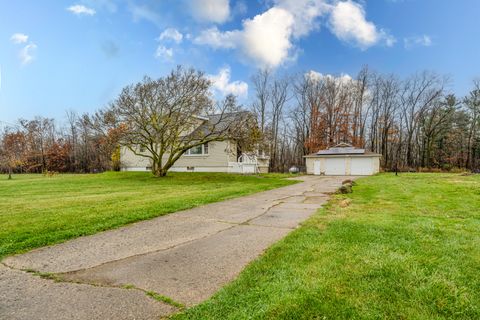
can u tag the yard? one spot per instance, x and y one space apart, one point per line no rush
36 210
405 247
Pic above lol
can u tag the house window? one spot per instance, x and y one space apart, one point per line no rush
198 150
205 148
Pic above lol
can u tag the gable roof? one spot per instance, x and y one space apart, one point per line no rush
218 123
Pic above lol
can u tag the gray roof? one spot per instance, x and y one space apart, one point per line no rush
344 149
217 123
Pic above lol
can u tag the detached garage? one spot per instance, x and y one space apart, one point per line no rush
343 160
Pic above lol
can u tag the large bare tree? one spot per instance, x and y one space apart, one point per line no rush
161 119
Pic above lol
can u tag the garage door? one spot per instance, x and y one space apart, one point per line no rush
362 166
335 166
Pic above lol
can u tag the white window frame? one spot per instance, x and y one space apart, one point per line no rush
205 147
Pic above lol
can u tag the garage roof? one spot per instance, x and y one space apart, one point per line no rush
344 149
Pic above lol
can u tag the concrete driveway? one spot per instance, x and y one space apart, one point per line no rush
185 256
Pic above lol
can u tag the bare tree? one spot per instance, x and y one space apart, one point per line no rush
419 92
301 115
261 83
278 99
170 115
72 119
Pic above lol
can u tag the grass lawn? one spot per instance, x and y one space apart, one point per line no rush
405 247
36 211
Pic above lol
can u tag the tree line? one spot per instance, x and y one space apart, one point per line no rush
41 145
414 122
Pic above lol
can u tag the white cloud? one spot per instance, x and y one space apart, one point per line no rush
388 38
240 8
417 41
348 22
217 39
18 38
164 53
217 11
79 9
268 39
26 54
221 84
305 13
315 76
171 34
265 39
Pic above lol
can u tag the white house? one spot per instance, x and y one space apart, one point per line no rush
343 160
218 156
215 156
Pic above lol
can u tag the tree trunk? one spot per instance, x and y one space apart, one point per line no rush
9 173
160 172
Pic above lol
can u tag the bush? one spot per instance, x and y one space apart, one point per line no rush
346 188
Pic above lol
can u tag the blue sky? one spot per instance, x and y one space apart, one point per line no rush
57 55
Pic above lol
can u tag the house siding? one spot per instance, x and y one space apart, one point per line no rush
220 153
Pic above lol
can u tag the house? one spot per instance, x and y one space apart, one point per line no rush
215 156
343 160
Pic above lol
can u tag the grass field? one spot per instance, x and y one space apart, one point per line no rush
36 211
405 247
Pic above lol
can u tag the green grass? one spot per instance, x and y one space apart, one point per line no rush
164 299
36 211
405 247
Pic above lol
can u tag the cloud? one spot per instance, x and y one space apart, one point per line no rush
417 41
265 39
222 85
268 39
171 34
18 38
143 12
164 53
240 8
26 54
216 11
79 9
305 14
217 39
388 38
315 76
349 24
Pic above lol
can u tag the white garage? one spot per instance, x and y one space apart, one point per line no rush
343 160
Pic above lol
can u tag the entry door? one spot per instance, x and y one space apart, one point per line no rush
335 166
316 167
